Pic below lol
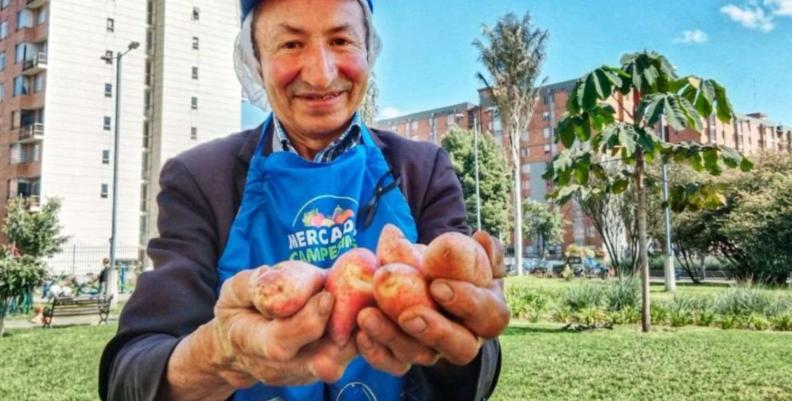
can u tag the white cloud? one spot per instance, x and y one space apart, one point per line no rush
781 8
696 36
754 16
389 112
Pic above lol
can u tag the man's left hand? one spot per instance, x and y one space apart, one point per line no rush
423 336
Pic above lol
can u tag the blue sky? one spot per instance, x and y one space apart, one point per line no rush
428 61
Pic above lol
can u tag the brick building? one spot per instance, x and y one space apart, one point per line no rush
750 133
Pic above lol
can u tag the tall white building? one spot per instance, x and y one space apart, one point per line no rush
57 107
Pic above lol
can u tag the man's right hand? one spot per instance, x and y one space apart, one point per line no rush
240 347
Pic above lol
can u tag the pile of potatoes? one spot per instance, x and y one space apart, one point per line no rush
394 279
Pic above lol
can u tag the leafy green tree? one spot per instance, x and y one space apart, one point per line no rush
750 229
493 178
543 223
34 233
18 276
513 56
591 136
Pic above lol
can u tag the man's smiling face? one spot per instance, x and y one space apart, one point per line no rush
313 61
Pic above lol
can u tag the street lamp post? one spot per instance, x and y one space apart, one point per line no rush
668 265
112 283
476 162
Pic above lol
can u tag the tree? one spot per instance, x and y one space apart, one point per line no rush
751 229
369 109
493 179
614 219
544 224
18 276
36 234
591 136
513 57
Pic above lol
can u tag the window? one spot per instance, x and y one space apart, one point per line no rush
108 90
194 133
450 119
107 123
38 83
24 19
23 51
546 116
41 16
105 156
195 42
547 149
4 4
2 92
547 132
2 61
110 25
4 30
196 15
195 73
194 103
104 190
21 85
108 57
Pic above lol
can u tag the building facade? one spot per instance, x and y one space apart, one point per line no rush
57 107
749 134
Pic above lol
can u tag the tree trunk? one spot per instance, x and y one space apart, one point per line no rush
3 310
517 204
646 320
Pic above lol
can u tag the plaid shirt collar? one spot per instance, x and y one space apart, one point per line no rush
349 138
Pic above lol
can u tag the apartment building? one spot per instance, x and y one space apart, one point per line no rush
749 133
57 105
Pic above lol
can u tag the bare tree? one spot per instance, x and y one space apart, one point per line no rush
513 55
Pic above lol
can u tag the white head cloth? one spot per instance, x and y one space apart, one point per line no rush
248 68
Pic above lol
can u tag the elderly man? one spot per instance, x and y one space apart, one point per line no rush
190 332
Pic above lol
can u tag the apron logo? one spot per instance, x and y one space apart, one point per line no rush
324 229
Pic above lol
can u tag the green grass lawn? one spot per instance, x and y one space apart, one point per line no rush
540 363
689 364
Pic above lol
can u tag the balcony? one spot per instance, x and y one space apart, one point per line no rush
35 65
31 133
33 4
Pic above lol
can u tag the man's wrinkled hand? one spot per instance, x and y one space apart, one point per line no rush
279 350
423 336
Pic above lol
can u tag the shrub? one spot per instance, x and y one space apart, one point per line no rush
728 321
591 316
705 317
628 315
562 315
589 295
743 301
526 304
758 322
659 313
624 293
782 322
780 306
682 311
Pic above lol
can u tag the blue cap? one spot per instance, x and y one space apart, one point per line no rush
247 5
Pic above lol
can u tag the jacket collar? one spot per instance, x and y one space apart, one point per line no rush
249 146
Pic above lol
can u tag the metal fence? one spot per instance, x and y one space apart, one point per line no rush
78 260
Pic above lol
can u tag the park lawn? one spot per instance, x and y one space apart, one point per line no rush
539 363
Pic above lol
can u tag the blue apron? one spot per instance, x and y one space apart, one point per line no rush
297 209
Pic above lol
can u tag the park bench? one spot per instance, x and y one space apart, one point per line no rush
78 306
